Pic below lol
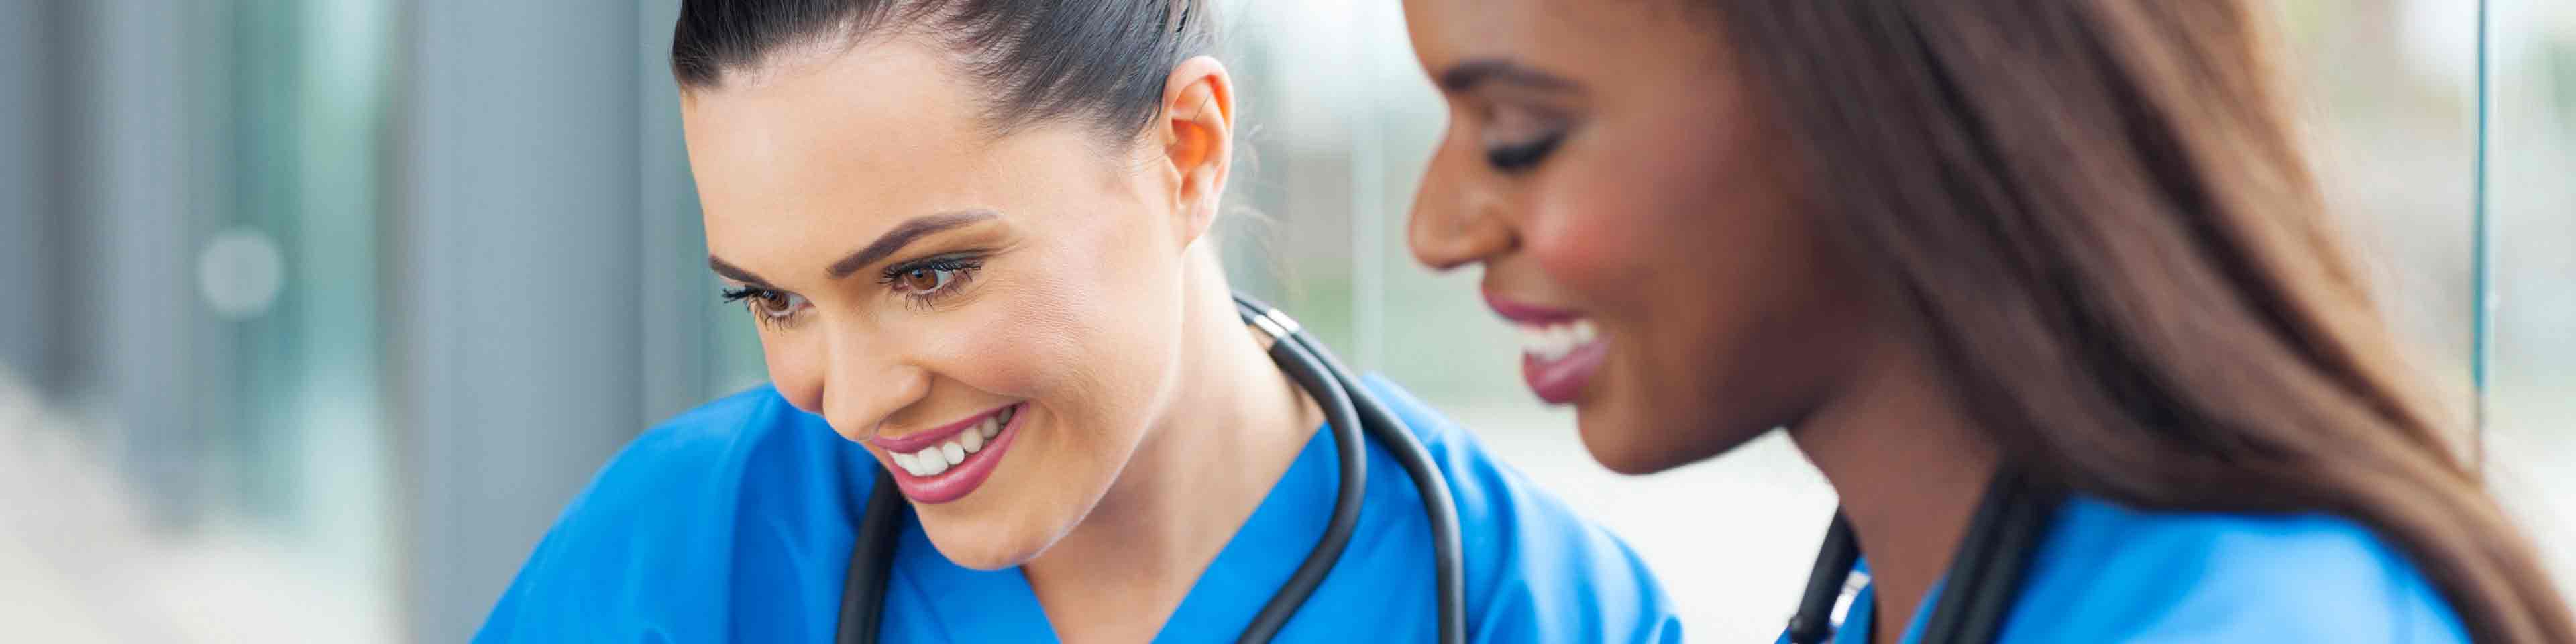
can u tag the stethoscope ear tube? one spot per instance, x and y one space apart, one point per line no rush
1972 562
1985 574
1343 418
1449 576
871 561
2025 520
1814 620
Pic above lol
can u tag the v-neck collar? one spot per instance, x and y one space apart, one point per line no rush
1858 624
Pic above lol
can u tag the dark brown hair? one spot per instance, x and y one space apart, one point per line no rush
1097 63
2100 215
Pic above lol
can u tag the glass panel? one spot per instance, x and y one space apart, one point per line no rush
2393 149
2531 219
207 460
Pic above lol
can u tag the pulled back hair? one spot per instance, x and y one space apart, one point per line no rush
1094 63
2100 213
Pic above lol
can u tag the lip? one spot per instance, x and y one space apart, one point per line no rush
922 440
1524 313
963 478
1562 380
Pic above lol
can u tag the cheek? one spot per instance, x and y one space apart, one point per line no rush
1644 211
1584 242
1028 344
1599 227
1072 329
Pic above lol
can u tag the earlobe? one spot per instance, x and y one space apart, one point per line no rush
1198 140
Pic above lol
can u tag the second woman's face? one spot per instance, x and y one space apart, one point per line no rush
1631 210
994 317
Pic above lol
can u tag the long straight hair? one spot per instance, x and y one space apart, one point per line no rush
2100 213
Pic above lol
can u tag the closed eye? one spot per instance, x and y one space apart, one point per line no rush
1515 158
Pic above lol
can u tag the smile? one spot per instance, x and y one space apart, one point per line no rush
1558 359
1560 349
947 463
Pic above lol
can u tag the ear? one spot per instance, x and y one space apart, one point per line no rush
1197 132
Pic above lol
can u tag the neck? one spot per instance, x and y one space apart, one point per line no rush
1900 454
1231 426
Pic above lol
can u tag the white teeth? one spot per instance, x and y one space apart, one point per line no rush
938 458
932 462
1553 341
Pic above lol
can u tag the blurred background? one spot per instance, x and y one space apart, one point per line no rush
328 306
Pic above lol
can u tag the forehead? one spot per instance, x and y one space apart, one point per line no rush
812 158
1588 38
877 130
1451 30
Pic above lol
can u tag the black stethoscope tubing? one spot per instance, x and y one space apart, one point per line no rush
1986 572
1348 409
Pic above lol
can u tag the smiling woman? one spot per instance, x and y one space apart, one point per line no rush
2044 289
974 237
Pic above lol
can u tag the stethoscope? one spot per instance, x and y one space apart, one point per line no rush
1985 572
1348 408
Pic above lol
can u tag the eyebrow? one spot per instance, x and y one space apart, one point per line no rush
735 273
904 233
1466 76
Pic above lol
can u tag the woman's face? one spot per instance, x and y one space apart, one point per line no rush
1632 211
994 317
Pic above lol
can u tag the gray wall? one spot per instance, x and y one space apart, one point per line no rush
515 368
26 180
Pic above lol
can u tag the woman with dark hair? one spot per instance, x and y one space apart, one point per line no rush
2043 287
1014 399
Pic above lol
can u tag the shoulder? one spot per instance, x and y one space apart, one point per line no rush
705 454
696 503
1536 569
2226 578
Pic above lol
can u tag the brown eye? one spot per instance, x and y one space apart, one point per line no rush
771 308
925 279
930 278
774 304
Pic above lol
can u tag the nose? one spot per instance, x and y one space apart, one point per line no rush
857 384
1453 223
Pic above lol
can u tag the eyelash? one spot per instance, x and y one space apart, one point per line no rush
961 268
1521 157
751 298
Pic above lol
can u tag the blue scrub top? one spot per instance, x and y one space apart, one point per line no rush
2108 573
735 521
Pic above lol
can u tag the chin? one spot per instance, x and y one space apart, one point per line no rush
1619 458
1633 446
1618 445
982 548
